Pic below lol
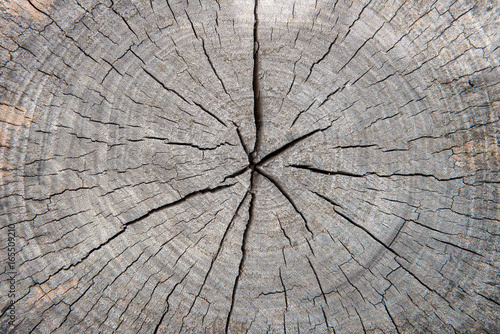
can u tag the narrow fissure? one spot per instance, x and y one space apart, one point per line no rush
219 249
257 103
286 195
285 147
252 156
243 249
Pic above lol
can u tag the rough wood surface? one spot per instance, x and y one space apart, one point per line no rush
250 166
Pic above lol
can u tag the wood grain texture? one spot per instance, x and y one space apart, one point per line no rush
251 166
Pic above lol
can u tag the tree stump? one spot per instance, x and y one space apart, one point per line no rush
250 166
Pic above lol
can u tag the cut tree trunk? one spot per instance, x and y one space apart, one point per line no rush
240 166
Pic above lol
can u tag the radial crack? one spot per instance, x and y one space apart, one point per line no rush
243 251
168 297
322 58
213 68
335 205
326 172
317 279
456 246
257 102
344 173
168 89
179 201
93 250
390 316
210 113
284 290
165 86
289 145
199 147
339 89
242 142
214 258
301 112
284 232
285 194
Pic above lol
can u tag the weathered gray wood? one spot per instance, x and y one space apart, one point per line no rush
250 166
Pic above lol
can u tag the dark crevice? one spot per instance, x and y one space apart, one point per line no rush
344 173
390 316
317 279
155 138
360 77
322 58
207 56
357 146
420 175
326 172
289 89
168 89
214 258
93 250
180 200
291 85
421 282
397 233
347 278
165 87
360 47
37 9
243 249
242 142
257 102
172 12
339 89
112 68
285 194
270 293
284 232
488 298
360 320
324 316
310 247
356 20
288 145
235 174
456 246
213 68
284 290
167 300
210 113
301 112
124 21
199 147
258 156
335 205
192 25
